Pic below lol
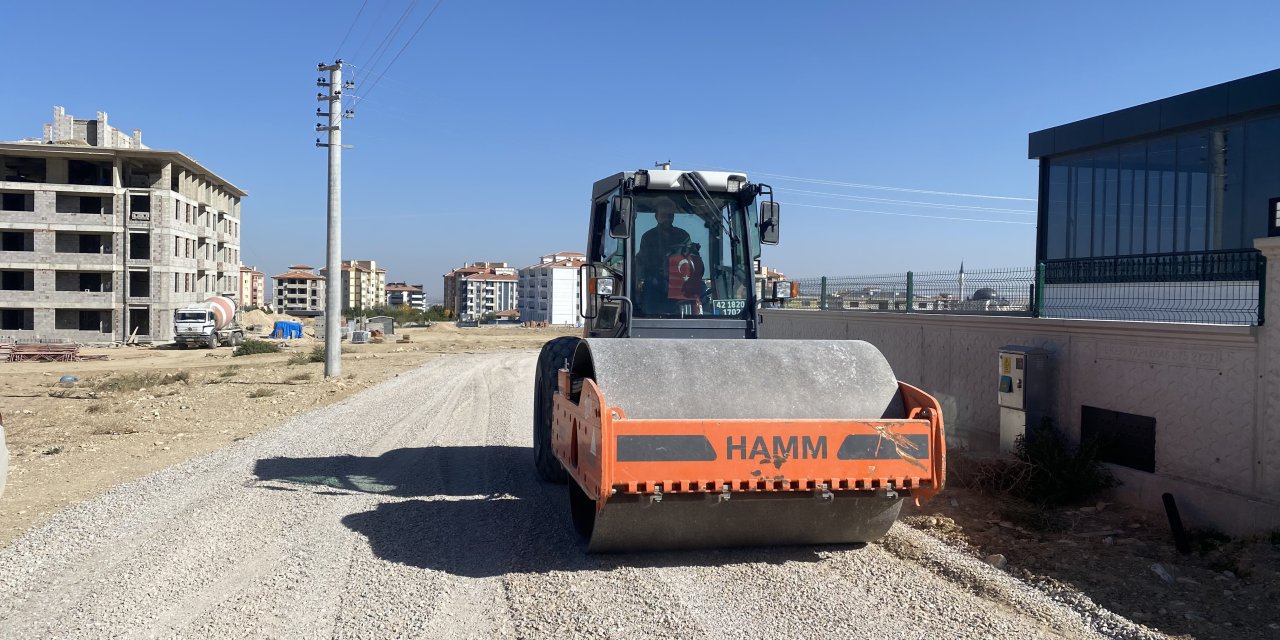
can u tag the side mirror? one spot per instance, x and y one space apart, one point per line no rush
769 222
620 217
594 285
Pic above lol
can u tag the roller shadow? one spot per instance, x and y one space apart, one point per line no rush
405 473
479 512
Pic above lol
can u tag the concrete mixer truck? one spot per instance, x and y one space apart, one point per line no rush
675 426
211 323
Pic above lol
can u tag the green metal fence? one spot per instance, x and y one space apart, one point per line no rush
1213 287
981 291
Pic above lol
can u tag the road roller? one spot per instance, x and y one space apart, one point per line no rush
675 427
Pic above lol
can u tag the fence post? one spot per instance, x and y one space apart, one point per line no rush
911 292
822 302
1038 302
1262 288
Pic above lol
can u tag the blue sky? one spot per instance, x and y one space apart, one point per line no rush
482 141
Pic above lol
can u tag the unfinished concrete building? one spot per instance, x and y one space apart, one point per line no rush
102 238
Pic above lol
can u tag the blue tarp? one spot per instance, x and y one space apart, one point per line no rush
286 329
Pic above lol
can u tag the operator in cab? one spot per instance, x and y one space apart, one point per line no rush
652 264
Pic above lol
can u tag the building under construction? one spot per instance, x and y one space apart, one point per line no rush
102 238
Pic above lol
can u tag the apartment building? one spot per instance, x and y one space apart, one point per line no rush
401 294
253 287
364 284
549 290
102 237
481 294
454 282
298 291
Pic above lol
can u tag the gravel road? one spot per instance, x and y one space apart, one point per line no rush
411 510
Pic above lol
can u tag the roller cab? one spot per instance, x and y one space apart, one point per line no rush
682 443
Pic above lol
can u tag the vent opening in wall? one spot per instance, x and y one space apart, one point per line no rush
1125 439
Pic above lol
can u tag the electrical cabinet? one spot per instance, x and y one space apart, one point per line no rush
1023 391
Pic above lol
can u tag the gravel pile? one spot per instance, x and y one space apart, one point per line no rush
411 510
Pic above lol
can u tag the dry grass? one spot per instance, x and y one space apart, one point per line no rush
262 392
125 382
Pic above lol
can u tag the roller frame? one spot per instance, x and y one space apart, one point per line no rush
586 436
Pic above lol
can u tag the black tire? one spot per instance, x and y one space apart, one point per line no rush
553 356
212 342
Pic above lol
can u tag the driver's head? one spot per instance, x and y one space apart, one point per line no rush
665 212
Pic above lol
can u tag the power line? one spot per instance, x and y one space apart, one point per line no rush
386 41
908 215
855 185
915 203
349 29
402 50
382 8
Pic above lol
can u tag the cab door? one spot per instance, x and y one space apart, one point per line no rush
604 249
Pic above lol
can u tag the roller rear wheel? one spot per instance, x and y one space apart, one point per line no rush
553 356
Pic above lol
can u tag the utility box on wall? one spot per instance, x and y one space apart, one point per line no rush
1024 391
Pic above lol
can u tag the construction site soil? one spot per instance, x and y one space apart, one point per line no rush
410 509
1123 559
146 408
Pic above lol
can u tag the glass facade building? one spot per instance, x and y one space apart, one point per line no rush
1195 173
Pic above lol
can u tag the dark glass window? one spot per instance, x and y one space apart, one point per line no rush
1231 210
1105 193
1082 209
1261 173
1161 179
1056 213
1193 192
1198 191
1130 208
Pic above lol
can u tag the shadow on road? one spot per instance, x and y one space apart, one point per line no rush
406 473
478 512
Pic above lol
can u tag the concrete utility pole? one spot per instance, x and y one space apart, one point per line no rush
333 260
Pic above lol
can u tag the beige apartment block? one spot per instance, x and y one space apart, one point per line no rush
103 238
364 284
298 291
458 297
253 287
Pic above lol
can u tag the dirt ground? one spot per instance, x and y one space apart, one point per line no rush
1225 588
68 442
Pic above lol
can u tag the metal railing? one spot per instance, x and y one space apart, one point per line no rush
1213 287
984 291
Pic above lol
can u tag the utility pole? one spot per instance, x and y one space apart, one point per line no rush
333 259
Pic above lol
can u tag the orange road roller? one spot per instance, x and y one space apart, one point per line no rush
670 444
674 425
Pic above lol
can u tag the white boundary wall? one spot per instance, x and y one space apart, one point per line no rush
1213 390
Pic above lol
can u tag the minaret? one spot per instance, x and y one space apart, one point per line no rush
962 281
